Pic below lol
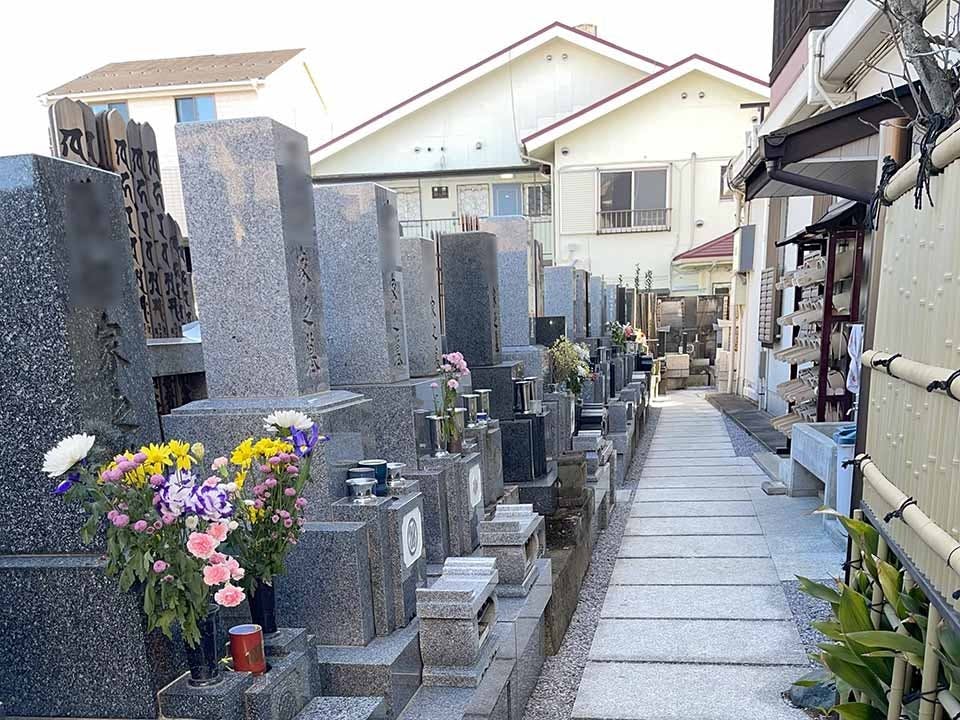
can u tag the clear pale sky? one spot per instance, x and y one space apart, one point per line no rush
370 54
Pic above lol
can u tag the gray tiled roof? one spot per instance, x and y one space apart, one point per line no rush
195 70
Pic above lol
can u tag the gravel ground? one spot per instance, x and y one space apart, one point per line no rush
805 610
744 444
556 690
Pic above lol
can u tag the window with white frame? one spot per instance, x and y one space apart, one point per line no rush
725 192
537 199
634 200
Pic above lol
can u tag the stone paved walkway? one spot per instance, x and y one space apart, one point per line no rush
695 624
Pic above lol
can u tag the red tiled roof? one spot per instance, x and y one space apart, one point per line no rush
485 60
721 247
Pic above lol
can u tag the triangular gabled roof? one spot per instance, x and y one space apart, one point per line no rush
642 87
501 57
718 248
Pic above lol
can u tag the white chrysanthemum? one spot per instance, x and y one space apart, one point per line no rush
286 419
67 453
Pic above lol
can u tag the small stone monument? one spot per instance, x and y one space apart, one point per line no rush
463 485
516 537
458 616
74 360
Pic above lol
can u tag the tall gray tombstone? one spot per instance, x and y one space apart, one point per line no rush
560 293
424 333
73 359
610 300
581 279
358 234
471 293
597 304
247 191
520 277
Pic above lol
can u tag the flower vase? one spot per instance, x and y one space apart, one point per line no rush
204 659
456 424
263 608
437 435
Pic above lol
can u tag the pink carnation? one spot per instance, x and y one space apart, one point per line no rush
218 463
229 596
218 531
215 575
217 558
212 481
236 572
202 545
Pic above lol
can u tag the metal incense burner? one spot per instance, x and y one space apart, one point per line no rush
361 482
483 412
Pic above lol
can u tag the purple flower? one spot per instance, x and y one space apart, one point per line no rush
65 485
211 503
176 493
305 440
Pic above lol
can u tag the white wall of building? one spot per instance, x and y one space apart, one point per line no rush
494 111
693 136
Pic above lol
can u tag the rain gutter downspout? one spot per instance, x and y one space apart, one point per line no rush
554 200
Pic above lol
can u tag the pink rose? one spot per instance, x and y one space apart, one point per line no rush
218 531
159 566
120 520
215 575
140 525
202 545
218 463
229 596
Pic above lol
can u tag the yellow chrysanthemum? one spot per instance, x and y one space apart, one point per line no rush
255 514
268 447
243 454
181 454
158 457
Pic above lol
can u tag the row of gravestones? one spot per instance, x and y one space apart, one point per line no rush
76 645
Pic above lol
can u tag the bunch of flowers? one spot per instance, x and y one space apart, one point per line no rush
270 474
570 364
164 525
622 334
452 369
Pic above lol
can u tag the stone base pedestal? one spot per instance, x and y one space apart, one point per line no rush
391 411
344 708
105 666
389 667
464 490
570 561
499 379
543 492
489 443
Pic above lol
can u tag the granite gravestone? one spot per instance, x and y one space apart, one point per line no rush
74 359
519 277
468 262
358 235
597 303
582 280
559 295
364 291
424 332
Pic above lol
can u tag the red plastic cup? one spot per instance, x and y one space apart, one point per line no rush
246 649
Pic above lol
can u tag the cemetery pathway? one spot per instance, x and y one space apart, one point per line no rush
696 624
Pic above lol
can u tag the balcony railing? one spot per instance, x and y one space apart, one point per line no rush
633 221
542 229
792 20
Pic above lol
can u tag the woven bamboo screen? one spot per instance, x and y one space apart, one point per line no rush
912 431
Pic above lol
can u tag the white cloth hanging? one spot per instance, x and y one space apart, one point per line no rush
854 350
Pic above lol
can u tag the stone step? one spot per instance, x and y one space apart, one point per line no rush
731 642
713 508
656 691
693 526
706 602
694 571
694 546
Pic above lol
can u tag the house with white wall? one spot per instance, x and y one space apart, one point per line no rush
615 158
830 90
167 91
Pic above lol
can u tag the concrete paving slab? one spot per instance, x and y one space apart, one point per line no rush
654 691
737 642
694 546
814 565
685 470
692 454
690 494
718 508
702 462
701 481
704 446
693 526
730 602
694 571
623 496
